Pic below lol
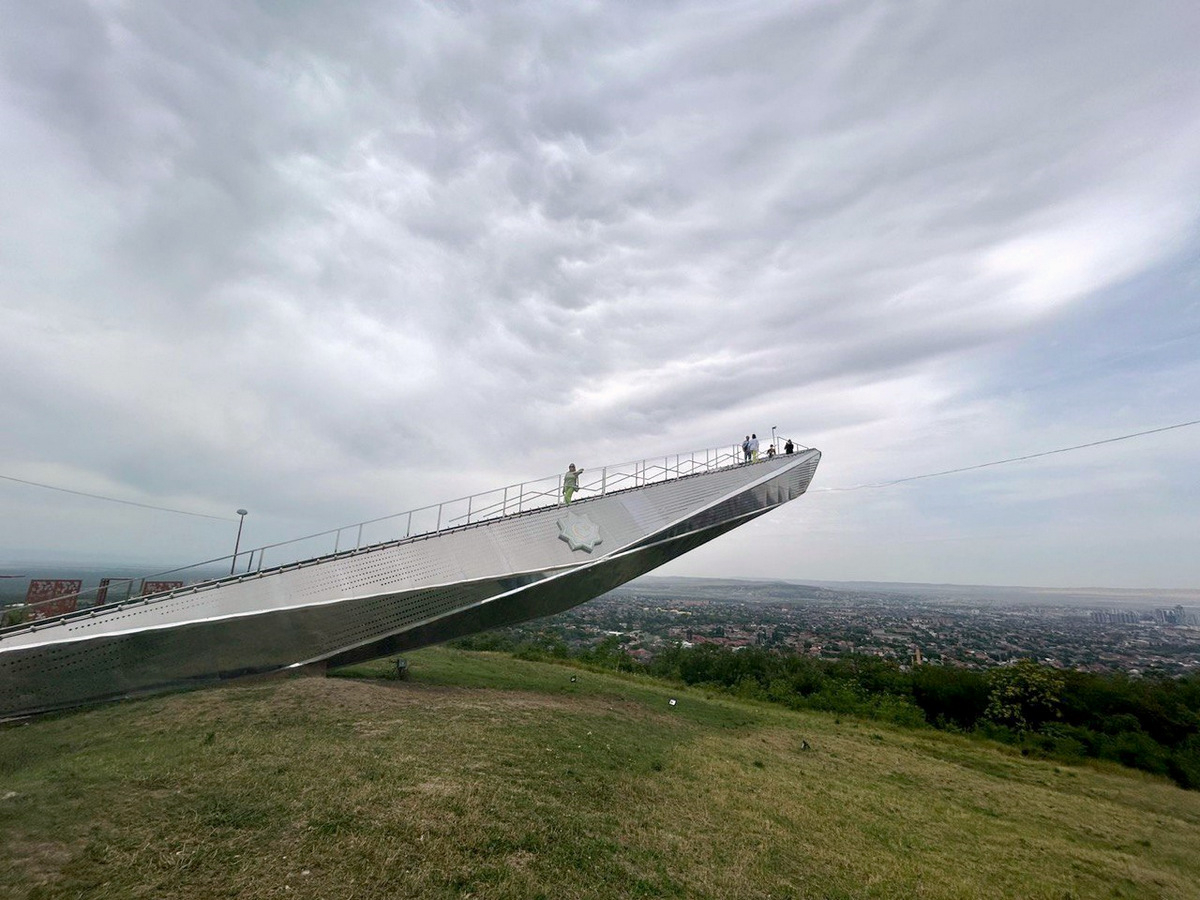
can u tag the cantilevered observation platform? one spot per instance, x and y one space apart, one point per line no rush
452 569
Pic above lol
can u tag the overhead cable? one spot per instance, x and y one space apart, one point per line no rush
181 512
1011 459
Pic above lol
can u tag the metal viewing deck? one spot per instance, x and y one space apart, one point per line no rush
459 567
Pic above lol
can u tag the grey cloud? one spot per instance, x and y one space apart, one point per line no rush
450 241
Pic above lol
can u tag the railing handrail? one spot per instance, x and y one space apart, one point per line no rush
527 499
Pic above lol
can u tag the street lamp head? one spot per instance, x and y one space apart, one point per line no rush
242 512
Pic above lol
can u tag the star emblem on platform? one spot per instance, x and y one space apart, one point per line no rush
580 532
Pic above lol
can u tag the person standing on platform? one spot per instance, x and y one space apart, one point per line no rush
570 483
746 449
789 447
754 448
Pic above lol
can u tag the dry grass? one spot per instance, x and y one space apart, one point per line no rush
490 777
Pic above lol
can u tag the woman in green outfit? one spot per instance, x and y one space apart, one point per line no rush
570 482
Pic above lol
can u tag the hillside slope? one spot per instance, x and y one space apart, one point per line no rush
486 776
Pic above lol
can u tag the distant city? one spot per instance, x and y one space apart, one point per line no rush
972 627
1098 630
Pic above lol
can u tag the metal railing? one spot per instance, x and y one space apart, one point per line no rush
514 499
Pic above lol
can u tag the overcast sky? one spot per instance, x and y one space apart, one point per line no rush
333 261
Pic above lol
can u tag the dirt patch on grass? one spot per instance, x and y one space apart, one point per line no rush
39 862
357 696
371 705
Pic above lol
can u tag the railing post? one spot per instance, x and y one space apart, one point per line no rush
504 505
358 543
521 497
604 481
408 525
469 499
337 540
438 527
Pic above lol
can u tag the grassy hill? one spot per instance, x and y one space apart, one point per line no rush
487 776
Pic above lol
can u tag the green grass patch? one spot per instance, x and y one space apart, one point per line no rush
490 776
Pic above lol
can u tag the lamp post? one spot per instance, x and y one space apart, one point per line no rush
773 427
241 520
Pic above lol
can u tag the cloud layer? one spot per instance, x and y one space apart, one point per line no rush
329 263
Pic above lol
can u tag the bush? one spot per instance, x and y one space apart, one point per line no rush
950 696
13 615
486 641
899 711
1137 750
1024 696
1184 763
1058 742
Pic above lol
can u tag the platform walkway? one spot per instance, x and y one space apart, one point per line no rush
415 524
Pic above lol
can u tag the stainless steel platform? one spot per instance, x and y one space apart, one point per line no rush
382 599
